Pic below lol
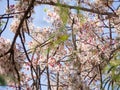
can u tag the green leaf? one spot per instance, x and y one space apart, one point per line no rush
64 14
0 30
2 22
45 9
64 37
115 62
116 78
61 39
2 81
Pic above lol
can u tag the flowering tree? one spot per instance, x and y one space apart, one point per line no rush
80 50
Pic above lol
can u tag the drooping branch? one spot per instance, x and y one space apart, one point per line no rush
15 68
21 22
6 21
48 74
78 8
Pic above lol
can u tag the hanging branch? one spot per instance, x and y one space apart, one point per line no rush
73 36
21 22
48 76
39 71
57 80
101 81
110 33
78 8
15 67
6 21
31 65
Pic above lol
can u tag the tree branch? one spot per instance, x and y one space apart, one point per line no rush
78 7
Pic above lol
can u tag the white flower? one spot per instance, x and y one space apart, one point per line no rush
6 65
14 25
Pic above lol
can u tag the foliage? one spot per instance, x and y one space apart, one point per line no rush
2 81
113 70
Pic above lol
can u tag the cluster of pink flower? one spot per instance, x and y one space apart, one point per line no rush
74 49
6 66
17 11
